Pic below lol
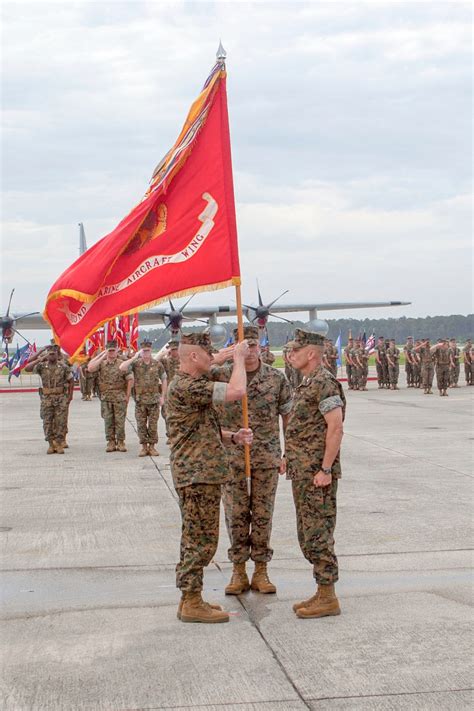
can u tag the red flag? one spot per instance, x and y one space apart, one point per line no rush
111 329
181 238
134 334
123 331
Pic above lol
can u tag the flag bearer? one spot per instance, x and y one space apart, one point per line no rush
199 464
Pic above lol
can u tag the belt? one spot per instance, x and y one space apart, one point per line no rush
53 391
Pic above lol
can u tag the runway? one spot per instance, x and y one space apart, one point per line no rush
90 541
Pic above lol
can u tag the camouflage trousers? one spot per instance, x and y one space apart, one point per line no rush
54 412
427 373
315 522
467 373
454 374
410 373
200 508
442 377
86 386
356 375
363 377
417 375
349 375
380 374
249 517
393 373
114 414
147 422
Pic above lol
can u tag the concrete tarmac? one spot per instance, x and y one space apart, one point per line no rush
90 541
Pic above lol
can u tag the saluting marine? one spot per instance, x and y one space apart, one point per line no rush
149 388
441 357
115 387
56 392
249 517
427 366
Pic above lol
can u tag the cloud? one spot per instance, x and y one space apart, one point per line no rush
350 129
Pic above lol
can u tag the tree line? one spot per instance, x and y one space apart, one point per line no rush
433 327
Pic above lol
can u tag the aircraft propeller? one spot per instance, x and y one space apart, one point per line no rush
8 325
260 313
174 317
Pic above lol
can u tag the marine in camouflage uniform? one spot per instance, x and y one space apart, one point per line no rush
454 366
170 363
441 357
330 357
380 361
267 356
393 357
427 366
86 380
149 389
409 363
313 437
349 363
199 464
115 387
360 359
467 360
249 515
416 365
56 390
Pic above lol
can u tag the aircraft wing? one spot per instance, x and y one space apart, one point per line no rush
155 316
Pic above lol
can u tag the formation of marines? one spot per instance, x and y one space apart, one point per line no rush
422 361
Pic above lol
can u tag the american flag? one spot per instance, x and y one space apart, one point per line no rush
370 344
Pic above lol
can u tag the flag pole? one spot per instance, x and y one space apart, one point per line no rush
245 406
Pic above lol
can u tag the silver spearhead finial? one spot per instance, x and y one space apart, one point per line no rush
221 53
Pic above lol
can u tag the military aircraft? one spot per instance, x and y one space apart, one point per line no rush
173 318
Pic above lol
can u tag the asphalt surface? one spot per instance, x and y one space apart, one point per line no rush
90 541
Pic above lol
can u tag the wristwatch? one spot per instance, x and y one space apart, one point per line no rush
326 470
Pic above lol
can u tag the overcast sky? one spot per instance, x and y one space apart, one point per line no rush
350 126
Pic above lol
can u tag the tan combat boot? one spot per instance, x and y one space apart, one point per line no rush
194 609
325 604
260 581
304 603
64 444
110 446
51 448
239 582
59 447
121 446
143 451
152 451
180 606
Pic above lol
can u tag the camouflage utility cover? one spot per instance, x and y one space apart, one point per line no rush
305 436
